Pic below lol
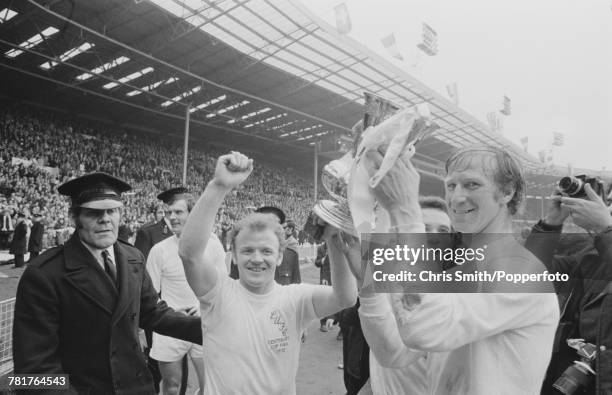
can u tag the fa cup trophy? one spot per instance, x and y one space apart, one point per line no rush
385 127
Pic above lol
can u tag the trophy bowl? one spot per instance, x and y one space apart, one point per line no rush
335 177
336 214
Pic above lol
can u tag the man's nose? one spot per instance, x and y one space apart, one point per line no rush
257 256
105 217
458 195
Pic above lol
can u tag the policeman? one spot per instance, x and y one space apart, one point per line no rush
150 234
79 306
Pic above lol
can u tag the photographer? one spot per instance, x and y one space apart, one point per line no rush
585 300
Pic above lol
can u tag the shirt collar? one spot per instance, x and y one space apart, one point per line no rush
97 253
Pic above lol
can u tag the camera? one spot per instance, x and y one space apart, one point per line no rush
574 186
580 375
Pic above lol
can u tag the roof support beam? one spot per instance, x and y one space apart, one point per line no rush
185 72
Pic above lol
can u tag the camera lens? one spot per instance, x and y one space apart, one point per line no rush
570 185
574 379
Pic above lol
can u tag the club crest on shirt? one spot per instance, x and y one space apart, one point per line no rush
279 344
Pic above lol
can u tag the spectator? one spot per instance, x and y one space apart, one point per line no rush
586 298
36 236
20 240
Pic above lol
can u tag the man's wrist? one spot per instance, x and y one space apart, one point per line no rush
218 185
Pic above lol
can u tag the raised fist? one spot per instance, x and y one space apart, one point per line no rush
232 169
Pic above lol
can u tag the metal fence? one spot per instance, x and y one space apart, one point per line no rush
7 308
307 252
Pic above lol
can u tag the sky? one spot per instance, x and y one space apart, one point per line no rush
552 58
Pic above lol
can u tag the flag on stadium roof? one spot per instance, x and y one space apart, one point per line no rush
558 139
525 142
507 106
391 46
343 19
453 93
429 43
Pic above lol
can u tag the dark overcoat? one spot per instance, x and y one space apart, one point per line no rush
71 318
288 272
151 234
20 239
36 237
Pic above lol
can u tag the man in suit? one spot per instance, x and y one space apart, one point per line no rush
151 234
20 240
36 236
79 306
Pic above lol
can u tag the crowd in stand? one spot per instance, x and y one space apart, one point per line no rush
40 150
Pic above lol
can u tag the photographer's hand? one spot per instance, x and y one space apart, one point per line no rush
590 213
556 215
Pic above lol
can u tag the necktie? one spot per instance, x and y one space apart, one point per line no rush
109 266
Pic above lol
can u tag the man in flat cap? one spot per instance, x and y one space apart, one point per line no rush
79 306
168 277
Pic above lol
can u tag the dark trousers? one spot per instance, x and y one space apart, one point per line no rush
33 255
152 363
355 351
19 260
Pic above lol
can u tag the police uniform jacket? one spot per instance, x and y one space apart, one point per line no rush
71 318
20 239
151 234
36 236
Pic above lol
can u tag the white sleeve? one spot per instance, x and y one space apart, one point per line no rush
154 267
211 302
301 295
216 253
443 322
381 332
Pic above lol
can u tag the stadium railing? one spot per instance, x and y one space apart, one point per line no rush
7 308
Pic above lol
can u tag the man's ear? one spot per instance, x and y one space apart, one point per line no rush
508 193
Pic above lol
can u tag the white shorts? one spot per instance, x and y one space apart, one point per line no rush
169 349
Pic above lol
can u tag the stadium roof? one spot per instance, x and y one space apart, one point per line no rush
267 76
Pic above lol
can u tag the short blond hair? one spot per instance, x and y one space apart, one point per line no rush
258 222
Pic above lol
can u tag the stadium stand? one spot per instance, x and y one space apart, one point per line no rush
45 150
